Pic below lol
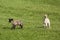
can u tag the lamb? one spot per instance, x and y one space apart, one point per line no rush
15 23
46 21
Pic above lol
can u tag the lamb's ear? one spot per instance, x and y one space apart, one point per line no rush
9 20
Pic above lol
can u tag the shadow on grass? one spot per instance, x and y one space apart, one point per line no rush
40 27
6 28
0 34
10 28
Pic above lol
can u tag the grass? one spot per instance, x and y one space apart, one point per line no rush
31 12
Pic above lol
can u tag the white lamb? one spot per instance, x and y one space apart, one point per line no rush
46 21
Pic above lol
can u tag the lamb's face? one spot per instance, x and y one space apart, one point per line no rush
10 20
45 16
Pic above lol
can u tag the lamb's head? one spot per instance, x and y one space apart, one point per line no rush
10 19
45 16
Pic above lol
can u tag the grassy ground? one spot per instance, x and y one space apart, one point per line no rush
31 13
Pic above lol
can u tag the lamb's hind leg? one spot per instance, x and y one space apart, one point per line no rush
21 26
49 25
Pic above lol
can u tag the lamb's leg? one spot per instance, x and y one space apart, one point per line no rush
21 26
13 27
49 25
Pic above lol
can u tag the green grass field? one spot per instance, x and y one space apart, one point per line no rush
31 13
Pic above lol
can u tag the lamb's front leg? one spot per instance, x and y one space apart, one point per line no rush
13 26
